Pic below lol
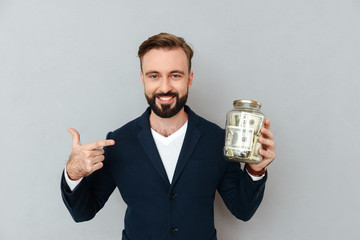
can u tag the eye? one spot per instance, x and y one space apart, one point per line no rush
176 76
153 76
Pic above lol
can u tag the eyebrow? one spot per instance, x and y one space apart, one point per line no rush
151 72
156 72
178 71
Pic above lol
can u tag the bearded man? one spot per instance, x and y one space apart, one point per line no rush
168 163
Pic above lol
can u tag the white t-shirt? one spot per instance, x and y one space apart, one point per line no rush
169 148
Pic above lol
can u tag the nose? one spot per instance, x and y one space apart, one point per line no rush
165 86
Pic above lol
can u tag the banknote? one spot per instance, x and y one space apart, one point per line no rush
242 144
247 120
240 138
255 156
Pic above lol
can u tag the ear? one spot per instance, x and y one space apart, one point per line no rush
191 75
142 78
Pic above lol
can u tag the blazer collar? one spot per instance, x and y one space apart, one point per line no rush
146 140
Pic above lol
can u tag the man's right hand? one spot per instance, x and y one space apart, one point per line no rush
85 159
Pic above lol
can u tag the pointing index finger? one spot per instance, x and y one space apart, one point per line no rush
99 144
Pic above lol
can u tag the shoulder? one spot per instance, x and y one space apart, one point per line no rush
131 128
208 125
126 128
205 126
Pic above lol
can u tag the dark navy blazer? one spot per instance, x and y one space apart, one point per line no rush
159 210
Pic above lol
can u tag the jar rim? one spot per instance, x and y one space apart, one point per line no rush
247 101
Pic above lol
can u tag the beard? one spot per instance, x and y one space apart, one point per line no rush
165 111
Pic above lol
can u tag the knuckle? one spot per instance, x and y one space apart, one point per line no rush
97 166
88 169
87 154
86 165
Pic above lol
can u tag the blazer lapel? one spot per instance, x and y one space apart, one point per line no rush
147 142
191 138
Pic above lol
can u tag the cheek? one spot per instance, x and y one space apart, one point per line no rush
183 89
149 88
181 86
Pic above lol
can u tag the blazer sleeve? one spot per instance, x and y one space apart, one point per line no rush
92 192
240 193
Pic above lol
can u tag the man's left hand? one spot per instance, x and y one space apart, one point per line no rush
268 148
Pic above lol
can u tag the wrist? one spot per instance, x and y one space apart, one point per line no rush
71 174
253 172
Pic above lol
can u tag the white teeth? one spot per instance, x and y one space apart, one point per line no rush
165 98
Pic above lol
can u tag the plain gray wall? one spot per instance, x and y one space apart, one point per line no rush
73 64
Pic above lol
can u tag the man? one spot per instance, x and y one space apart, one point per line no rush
168 163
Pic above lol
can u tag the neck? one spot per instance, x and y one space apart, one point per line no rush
167 126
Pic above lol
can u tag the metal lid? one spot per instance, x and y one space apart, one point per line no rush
246 101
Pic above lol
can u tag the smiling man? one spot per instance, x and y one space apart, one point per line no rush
167 163
166 78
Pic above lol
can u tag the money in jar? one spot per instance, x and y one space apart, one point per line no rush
243 124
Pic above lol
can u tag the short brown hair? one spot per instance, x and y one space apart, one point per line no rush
165 40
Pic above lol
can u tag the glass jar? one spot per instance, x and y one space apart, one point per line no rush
243 124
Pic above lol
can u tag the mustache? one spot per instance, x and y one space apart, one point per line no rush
172 94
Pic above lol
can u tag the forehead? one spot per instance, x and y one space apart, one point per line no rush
163 59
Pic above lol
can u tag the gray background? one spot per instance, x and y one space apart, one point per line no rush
73 64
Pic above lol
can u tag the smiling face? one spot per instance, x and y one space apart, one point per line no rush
166 80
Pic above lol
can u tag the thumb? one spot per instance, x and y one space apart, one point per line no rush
75 135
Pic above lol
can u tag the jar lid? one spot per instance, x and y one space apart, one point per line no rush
247 101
